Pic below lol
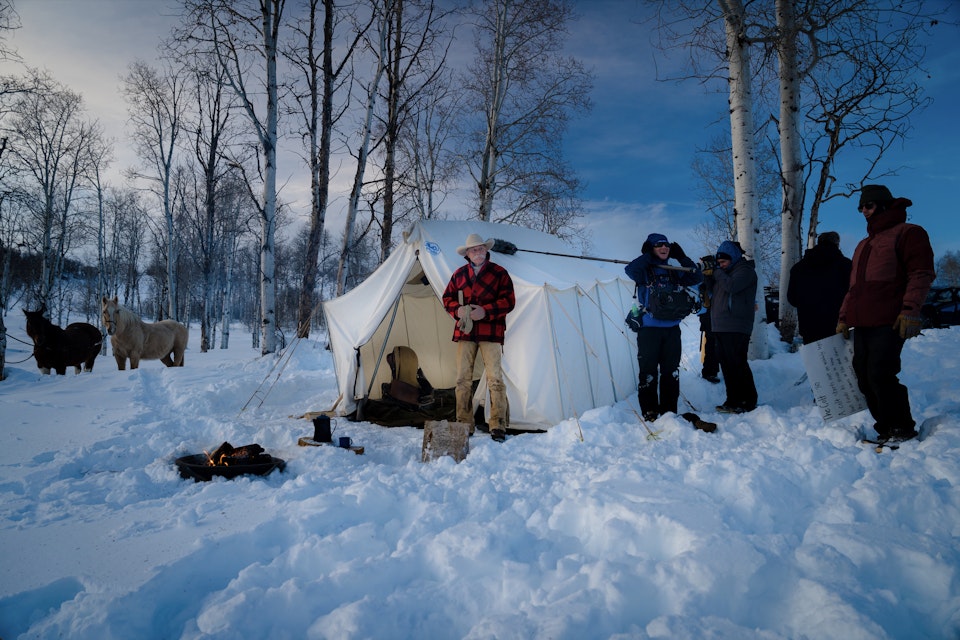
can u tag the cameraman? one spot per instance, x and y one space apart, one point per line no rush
658 339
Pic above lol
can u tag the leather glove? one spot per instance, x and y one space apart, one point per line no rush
676 251
478 313
464 323
844 329
907 326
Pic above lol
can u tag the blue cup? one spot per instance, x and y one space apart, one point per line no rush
344 442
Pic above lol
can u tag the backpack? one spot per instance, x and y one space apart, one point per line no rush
667 302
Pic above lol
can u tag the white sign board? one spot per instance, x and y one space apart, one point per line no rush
829 365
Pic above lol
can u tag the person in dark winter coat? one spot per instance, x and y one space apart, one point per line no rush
658 339
479 296
818 284
708 346
732 312
892 273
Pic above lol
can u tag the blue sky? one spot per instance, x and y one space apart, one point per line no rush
634 151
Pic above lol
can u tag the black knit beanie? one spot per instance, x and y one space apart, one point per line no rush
829 237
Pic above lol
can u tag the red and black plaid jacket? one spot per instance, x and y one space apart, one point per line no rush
492 290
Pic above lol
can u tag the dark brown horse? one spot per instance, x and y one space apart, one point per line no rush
56 348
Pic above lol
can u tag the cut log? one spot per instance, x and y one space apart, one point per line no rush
444 438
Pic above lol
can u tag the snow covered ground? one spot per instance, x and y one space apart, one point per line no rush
776 526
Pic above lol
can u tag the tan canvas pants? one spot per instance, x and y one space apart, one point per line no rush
492 353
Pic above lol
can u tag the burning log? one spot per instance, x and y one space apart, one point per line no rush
228 461
227 455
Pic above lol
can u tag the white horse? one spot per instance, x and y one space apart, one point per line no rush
137 340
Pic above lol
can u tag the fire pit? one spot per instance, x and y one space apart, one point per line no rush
228 462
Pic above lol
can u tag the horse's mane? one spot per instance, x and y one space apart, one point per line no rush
125 316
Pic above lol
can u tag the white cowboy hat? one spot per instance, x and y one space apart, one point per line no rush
474 240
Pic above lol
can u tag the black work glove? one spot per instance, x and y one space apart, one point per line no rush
676 252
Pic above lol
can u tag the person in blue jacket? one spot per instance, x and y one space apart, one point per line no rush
732 312
658 340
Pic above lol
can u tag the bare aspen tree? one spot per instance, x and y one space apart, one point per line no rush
414 62
746 204
9 21
859 61
155 100
526 91
12 215
9 87
862 97
49 144
948 269
126 226
320 76
100 161
431 162
207 127
791 160
244 37
713 167
378 45
235 220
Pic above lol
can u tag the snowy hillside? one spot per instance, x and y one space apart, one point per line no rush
776 526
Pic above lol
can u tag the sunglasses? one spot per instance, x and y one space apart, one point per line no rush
867 205
660 244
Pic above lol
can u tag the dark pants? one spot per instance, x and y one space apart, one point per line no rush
708 347
732 349
876 361
658 354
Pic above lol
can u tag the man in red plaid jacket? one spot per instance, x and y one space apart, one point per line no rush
479 296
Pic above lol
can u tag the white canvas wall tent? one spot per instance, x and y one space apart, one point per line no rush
567 349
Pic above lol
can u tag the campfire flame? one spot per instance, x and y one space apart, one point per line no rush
226 454
222 462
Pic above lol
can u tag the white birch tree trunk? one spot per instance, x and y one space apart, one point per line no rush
230 256
272 10
172 251
791 159
744 155
354 203
488 166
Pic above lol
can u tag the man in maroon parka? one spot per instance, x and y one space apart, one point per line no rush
891 275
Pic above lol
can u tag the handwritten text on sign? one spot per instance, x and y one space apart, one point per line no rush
829 364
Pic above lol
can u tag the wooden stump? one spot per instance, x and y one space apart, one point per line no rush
443 438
